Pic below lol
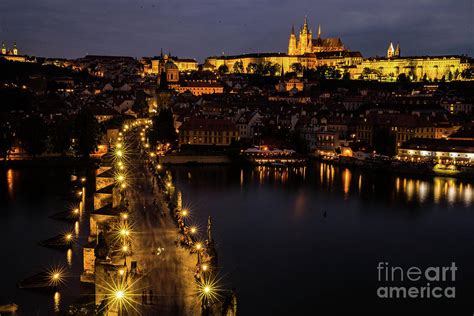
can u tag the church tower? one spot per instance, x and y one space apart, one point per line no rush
397 50
4 48
15 49
292 49
390 51
306 39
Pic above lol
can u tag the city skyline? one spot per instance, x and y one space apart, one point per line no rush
198 30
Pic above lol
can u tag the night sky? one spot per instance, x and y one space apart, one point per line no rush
201 28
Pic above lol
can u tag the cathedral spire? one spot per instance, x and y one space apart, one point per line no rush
319 30
293 29
305 25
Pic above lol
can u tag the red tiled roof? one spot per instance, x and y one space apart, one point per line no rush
208 125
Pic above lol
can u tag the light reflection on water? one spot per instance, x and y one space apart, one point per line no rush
349 182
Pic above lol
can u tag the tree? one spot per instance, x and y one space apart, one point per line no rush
223 69
403 78
297 67
6 138
346 76
276 69
238 67
163 130
450 76
87 133
251 68
33 134
456 74
467 73
61 135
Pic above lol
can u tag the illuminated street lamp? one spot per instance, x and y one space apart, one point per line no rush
125 250
56 276
193 230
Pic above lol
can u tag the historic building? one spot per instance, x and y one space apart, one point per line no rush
416 68
13 54
13 51
283 60
157 64
307 44
211 132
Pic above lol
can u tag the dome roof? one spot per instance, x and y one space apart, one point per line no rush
170 65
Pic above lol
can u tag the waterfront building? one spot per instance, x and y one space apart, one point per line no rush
402 127
203 131
445 151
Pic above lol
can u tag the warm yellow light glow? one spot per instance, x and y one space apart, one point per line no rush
193 230
198 246
208 289
168 184
56 276
204 267
125 248
125 232
76 211
119 153
121 271
124 215
184 213
119 145
83 179
120 294
159 167
68 237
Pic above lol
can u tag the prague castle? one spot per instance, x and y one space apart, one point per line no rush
311 53
305 50
307 44
415 68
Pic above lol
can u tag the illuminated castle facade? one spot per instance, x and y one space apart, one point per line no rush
305 43
393 52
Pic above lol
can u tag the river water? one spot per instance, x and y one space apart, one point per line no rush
28 196
289 240
299 239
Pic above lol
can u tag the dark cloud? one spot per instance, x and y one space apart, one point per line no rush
199 28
